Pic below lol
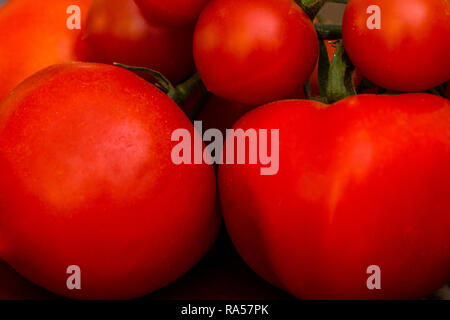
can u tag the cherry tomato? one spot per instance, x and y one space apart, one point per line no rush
172 12
254 51
361 183
407 53
88 180
34 35
117 32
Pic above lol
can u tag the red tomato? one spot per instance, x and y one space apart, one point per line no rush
362 182
117 32
407 53
34 35
254 51
88 180
172 12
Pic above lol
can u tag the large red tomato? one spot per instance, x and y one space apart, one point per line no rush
117 32
88 180
364 182
34 35
407 53
254 51
172 12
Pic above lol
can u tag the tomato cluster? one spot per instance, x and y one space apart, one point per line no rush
358 203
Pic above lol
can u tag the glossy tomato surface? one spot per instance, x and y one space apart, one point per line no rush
254 51
88 180
172 12
362 182
34 35
410 52
116 31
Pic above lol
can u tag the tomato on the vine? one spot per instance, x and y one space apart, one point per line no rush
34 35
171 12
117 32
410 51
88 181
361 183
254 51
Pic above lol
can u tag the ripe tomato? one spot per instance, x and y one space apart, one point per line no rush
34 35
172 12
254 51
407 53
88 180
117 32
363 182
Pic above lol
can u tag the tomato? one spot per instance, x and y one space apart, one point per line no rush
254 51
172 12
117 32
362 182
34 35
407 53
88 180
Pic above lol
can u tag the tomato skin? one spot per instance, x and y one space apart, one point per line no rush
117 32
356 187
34 36
88 180
254 51
172 12
407 53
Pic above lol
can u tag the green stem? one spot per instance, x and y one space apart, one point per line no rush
307 90
184 90
328 31
311 7
179 93
323 69
340 83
